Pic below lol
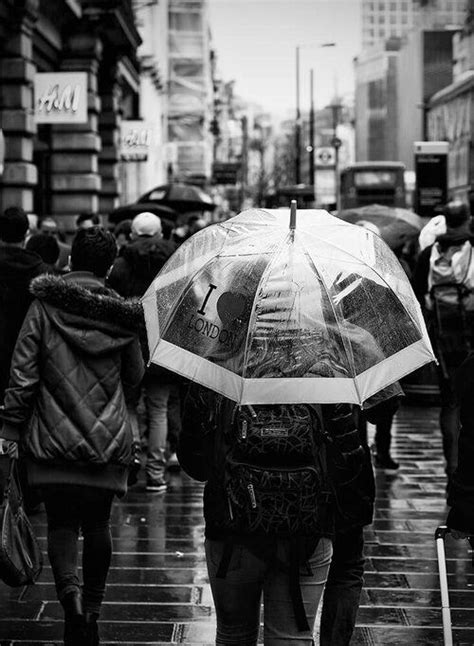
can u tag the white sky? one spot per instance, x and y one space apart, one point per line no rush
255 42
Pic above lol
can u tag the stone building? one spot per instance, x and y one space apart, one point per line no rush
68 75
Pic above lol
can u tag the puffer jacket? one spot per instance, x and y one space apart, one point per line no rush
76 356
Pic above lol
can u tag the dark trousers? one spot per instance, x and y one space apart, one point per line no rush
69 509
343 587
449 421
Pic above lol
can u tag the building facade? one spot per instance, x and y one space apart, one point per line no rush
383 19
376 100
68 75
190 91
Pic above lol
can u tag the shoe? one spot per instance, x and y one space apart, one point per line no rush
173 462
385 462
74 624
158 486
92 629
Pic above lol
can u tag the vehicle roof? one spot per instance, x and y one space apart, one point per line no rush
375 164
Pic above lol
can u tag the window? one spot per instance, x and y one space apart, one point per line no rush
393 33
404 6
382 6
371 20
382 33
393 20
404 20
382 20
393 6
371 33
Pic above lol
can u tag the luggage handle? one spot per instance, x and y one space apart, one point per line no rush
440 535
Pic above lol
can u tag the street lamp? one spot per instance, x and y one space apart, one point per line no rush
298 111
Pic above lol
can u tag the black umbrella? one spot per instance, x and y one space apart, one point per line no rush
167 215
180 197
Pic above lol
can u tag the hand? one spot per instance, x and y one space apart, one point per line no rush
458 535
9 447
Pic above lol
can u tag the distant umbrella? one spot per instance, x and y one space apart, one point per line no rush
396 225
180 197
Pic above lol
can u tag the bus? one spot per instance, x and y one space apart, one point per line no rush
364 183
281 196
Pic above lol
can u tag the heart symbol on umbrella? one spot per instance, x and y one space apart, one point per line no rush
230 306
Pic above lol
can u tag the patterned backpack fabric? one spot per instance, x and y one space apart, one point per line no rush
275 470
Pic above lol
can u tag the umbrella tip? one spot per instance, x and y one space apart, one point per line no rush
293 214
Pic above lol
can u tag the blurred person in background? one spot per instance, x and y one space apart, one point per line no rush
443 282
76 362
123 234
47 247
49 226
87 220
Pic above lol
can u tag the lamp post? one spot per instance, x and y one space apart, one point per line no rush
298 110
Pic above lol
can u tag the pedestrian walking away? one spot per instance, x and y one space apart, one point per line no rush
269 504
76 362
444 282
136 267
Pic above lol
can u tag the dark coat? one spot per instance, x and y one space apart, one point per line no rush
138 264
17 268
199 455
461 489
76 352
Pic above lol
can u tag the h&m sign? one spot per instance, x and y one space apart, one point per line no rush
60 97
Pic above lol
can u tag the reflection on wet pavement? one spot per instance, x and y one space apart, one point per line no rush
158 591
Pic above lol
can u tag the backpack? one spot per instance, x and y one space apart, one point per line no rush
451 301
275 470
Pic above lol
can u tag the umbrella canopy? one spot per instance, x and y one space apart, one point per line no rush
267 314
396 225
180 197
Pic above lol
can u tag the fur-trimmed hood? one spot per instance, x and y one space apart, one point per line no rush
88 314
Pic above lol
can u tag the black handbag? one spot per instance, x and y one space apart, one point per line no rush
21 560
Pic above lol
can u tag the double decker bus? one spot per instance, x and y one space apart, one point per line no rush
381 182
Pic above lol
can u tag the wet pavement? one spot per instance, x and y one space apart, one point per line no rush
158 592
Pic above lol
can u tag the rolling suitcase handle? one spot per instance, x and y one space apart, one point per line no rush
440 535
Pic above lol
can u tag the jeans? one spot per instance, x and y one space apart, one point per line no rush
237 597
156 400
70 508
343 587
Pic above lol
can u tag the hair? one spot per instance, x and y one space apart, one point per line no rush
456 214
124 227
93 250
45 246
13 224
83 217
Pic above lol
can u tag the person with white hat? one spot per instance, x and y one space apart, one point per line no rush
132 273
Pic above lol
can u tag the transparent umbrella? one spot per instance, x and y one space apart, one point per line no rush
316 312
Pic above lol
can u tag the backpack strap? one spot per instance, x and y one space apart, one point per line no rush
295 587
225 558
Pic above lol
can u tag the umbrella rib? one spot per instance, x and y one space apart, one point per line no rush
253 316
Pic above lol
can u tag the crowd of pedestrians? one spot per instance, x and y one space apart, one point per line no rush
81 403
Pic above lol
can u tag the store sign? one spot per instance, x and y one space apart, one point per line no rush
431 168
136 138
325 156
61 97
225 172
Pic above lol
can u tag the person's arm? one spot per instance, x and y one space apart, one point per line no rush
24 375
195 439
133 367
420 275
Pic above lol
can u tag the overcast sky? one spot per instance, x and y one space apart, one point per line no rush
255 42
